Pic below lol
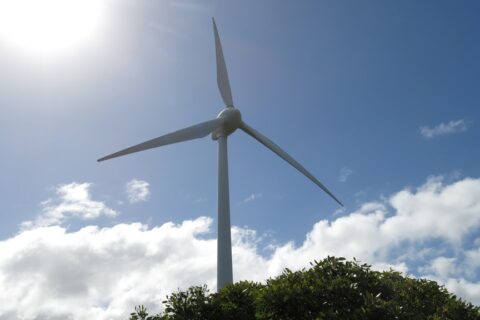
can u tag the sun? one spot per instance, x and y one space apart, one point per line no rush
49 26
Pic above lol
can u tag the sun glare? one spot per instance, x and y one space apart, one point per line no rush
48 26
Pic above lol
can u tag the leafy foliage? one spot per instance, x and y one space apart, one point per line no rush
332 288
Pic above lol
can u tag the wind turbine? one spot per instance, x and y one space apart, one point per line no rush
227 121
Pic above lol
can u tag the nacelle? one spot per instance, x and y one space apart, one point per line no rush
232 120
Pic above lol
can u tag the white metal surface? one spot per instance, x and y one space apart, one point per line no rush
194 132
285 156
222 75
224 242
225 124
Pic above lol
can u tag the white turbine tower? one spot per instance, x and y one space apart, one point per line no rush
228 120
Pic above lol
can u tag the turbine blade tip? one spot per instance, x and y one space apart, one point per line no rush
339 202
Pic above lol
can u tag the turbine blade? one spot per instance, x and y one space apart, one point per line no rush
222 75
194 132
285 156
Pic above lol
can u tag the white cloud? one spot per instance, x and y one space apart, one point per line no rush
443 128
441 267
50 273
345 172
73 200
253 197
137 190
93 273
463 288
460 278
435 211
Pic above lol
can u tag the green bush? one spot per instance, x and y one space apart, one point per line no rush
332 288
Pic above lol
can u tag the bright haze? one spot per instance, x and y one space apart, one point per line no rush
378 100
49 27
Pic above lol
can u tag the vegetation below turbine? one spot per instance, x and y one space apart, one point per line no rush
332 288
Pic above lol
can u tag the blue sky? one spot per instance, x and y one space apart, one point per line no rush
382 93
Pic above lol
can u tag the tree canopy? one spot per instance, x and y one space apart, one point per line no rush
333 288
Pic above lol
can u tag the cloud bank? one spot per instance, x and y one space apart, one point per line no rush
49 272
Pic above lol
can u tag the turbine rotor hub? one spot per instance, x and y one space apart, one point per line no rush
232 120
